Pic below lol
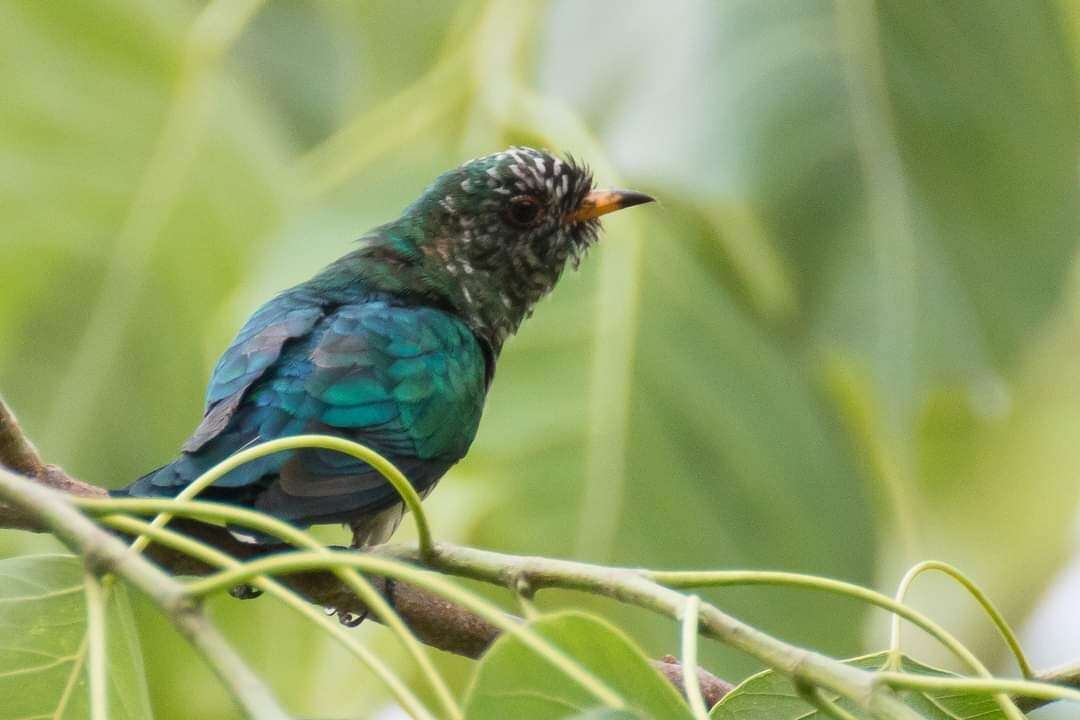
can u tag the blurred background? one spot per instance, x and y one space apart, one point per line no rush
847 339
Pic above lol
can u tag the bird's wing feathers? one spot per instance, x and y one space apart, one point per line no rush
407 381
411 378
256 347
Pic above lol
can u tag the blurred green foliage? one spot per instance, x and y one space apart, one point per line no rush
847 339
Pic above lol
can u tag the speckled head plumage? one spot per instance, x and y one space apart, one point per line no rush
520 199
495 234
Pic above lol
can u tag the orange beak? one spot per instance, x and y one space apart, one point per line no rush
602 202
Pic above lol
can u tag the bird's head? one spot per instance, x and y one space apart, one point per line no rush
500 229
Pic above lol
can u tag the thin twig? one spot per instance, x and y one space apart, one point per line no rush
104 553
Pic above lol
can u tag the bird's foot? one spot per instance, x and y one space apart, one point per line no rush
349 619
346 618
245 592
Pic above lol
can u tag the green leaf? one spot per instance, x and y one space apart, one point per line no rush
43 651
771 696
512 681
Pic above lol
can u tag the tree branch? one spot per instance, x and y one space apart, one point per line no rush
17 453
16 450
433 620
632 587
713 689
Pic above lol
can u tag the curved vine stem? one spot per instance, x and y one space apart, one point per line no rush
303 561
167 508
984 601
1007 705
371 598
739 577
323 442
409 702
682 579
987 686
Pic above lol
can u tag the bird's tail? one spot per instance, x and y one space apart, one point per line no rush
133 490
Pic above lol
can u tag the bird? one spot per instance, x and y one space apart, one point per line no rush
394 345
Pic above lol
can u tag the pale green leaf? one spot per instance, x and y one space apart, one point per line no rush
43 645
513 681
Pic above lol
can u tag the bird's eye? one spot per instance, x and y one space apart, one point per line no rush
524 211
